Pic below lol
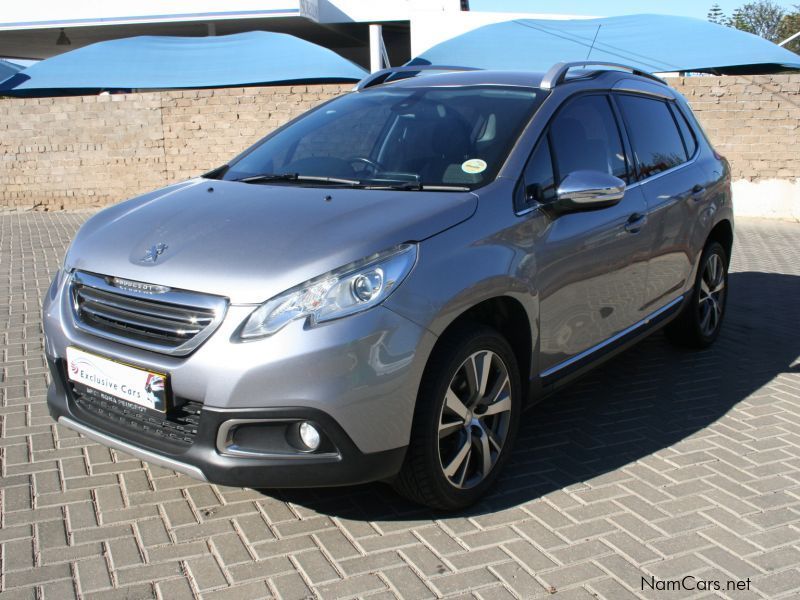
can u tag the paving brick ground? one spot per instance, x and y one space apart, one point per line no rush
661 464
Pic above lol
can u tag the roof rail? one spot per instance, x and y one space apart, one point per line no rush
380 77
558 72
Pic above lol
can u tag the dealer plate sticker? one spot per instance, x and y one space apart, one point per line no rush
137 386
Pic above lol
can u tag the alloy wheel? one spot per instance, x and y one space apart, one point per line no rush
474 420
712 294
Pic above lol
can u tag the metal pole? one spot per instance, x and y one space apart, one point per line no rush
789 39
375 41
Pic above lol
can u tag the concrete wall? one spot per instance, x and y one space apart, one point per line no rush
87 151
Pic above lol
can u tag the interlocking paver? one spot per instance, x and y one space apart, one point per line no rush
659 464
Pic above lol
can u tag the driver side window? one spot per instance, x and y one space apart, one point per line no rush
586 137
583 136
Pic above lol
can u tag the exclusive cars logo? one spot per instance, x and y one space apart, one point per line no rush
155 388
153 252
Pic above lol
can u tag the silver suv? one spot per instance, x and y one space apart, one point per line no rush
378 289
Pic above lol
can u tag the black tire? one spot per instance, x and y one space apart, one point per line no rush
692 328
422 478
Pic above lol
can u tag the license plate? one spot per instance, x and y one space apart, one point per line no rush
123 382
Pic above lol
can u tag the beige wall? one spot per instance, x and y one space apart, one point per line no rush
90 151
87 151
753 121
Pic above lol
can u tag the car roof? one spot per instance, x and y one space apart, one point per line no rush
455 76
473 77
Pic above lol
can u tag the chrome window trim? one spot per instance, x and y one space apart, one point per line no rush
611 340
667 172
217 304
529 209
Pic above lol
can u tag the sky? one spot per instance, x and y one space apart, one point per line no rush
611 8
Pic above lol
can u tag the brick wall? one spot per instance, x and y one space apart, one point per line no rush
754 121
79 151
90 151
206 128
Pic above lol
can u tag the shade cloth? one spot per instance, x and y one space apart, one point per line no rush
7 69
152 62
654 43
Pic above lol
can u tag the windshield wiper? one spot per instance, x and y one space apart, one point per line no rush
415 186
297 177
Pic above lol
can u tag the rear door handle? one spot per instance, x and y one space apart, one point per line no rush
635 223
698 192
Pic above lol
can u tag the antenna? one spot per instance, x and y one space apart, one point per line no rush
593 41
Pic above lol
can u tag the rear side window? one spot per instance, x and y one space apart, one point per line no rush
657 143
686 132
585 137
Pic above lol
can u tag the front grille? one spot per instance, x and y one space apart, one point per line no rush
177 428
144 315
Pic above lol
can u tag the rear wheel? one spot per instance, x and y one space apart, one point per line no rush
465 422
700 321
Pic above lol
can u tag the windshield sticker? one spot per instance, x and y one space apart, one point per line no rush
473 166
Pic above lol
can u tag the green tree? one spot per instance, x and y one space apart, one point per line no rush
715 15
762 18
790 24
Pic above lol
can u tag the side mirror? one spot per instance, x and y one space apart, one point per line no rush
588 190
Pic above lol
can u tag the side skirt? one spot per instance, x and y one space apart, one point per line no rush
564 373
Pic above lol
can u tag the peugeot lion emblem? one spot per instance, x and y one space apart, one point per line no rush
153 252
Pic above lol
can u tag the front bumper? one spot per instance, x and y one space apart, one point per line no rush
202 460
356 377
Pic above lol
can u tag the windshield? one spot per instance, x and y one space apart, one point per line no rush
455 136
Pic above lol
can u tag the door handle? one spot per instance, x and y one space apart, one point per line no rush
635 223
698 192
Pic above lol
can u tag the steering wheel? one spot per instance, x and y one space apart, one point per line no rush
373 165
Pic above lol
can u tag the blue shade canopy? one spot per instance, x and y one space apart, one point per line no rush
151 62
7 69
654 43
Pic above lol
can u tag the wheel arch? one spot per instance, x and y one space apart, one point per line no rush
508 316
722 232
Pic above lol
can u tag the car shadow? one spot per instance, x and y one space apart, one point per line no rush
639 403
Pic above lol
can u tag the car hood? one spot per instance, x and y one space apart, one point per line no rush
249 242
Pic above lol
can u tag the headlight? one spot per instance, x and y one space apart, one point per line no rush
350 289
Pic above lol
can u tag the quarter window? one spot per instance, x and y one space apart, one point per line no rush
686 132
656 141
540 182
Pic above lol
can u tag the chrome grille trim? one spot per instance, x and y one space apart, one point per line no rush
173 322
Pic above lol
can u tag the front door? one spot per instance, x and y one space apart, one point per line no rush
592 265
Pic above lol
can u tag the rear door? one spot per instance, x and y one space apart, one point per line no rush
664 148
592 265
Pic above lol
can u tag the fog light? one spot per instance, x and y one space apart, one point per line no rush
309 435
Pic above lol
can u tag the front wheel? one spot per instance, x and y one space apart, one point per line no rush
700 321
465 421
